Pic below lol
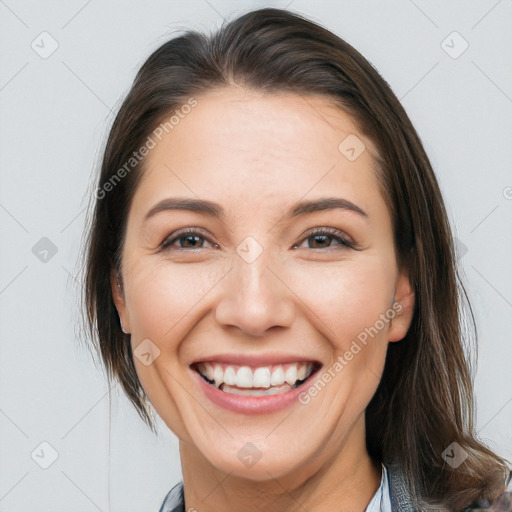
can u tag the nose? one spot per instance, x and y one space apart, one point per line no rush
256 297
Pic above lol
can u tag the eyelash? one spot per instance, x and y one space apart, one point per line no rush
336 234
333 233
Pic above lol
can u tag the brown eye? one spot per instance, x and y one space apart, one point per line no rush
187 239
322 238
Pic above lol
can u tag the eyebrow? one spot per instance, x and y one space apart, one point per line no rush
211 209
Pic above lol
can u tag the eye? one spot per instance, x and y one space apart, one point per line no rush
189 238
321 236
193 238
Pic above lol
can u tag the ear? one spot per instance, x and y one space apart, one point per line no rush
116 284
403 305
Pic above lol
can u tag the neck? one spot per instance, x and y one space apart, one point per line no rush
339 478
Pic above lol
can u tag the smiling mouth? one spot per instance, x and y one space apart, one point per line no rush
256 381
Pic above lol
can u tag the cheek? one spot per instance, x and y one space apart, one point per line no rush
348 297
162 294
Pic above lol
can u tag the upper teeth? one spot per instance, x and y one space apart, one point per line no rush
262 377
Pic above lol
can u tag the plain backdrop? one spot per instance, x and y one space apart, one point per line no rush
65 442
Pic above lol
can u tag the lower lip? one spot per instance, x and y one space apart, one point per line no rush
250 404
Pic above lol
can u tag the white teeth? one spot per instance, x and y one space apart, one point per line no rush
263 377
302 371
244 377
230 376
218 375
291 374
257 392
209 370
277 376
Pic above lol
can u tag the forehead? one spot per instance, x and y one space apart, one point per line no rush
250 147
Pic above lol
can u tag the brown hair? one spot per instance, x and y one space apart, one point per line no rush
424 402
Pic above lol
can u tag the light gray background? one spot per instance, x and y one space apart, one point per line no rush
55 113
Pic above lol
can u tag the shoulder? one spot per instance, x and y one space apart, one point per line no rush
402 499
174 500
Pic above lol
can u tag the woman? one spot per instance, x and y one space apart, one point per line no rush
271 267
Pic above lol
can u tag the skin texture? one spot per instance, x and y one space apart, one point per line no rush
257 155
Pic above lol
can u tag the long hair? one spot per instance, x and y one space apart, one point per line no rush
424 403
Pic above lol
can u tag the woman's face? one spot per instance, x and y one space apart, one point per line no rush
253 291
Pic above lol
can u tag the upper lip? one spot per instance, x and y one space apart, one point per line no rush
255 360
